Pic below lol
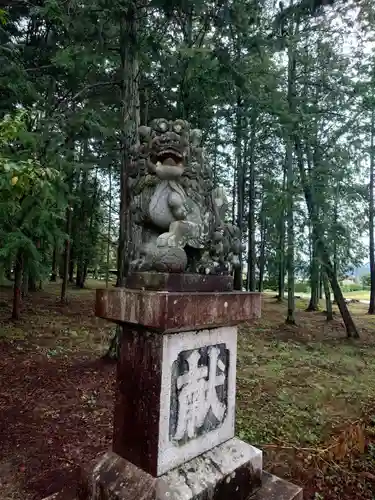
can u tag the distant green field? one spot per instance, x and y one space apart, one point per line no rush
359 295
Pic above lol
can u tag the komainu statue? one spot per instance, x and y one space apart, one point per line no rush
181 214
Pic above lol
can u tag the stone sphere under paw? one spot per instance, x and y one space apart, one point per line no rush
170 260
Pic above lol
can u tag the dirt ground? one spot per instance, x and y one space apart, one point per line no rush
305 395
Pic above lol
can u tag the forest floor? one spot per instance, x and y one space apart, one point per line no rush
306 396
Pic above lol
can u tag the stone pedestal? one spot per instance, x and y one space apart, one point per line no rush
175 399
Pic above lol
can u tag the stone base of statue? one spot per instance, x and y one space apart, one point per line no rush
175 400
230 470
175 397
114 478
179 282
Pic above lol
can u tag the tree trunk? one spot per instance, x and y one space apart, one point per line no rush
16 313
32 284
80 274
281 274
54 265
290 319
241 175
335 221
85 271
71 268
321 285
61 265
314 275
109 226
184 102
327 293
91 235
251 257
8 272
351 330
64 286
130 123
234 197
262 250
25 280
371 309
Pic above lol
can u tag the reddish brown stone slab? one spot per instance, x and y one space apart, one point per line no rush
179 282
177 311
65 494
274 488
137 407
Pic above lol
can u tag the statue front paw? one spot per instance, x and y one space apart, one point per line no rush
179 213
176 205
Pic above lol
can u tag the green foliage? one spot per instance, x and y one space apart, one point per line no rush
352 287
302 287
32 201
64 63
366 281
3 16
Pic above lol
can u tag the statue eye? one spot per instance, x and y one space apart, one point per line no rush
178 126
163 126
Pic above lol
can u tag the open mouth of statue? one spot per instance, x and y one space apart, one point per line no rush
169 157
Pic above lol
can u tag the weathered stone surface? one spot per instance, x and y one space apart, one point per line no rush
137 406
232 469
175 205
65 494
197 410
274 488
176 311
175 395
177 282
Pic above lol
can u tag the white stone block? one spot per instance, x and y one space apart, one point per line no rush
198 391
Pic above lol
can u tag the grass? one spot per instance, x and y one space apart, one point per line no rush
296 385
360 295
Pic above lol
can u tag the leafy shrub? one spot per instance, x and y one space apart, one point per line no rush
366 280
352 287
302 287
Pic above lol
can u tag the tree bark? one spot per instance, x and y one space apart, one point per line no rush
71 267
32 284
64 286
25 280
80 274
16 313
327 293
251 257
290 319
371 309
281 274
262 250
130 123
109 226
335 221
54 265
130 109
240 187
314 275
